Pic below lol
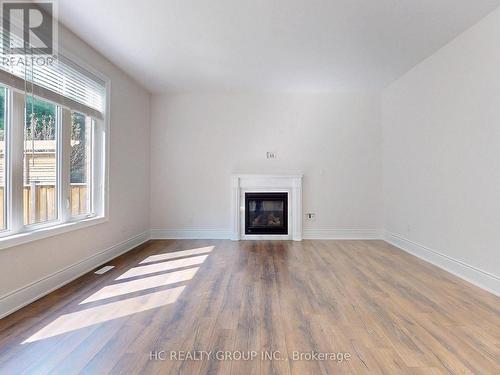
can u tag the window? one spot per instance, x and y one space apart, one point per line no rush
52 150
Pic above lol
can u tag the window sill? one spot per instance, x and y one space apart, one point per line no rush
40 233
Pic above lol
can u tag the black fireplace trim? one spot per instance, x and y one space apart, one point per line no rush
281 230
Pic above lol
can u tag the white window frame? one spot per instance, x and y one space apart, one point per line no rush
16 232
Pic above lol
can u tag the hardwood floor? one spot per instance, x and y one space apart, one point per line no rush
389 311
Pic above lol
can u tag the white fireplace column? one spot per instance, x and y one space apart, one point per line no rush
257 183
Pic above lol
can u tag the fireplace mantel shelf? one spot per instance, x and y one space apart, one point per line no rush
254 176
263 183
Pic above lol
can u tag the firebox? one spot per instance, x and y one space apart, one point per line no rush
266 213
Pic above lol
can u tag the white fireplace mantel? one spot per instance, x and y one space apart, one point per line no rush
258 183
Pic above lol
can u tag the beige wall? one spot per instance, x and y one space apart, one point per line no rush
128 185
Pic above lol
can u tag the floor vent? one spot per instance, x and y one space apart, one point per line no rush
104 269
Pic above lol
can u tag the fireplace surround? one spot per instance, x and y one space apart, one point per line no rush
270 224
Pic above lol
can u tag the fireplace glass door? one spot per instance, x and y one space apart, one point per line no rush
266 213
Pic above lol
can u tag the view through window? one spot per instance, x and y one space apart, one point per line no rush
81 164
40 162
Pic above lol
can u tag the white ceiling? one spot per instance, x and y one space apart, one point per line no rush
286 45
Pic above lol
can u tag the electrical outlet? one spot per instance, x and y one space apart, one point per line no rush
310 217
270 155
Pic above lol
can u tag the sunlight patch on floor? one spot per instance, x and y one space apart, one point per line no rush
165 266
128 306
99 314
177 254
149 282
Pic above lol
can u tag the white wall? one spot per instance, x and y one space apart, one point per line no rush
441 126
23 265
198 140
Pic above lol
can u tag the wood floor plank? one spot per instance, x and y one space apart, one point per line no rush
388 311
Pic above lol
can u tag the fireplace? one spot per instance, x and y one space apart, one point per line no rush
266 213
287 185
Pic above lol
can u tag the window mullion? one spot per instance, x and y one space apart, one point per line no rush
98 159
64 164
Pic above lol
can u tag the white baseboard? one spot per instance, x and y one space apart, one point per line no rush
27 294
342 234
461 269
310 234
190 234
